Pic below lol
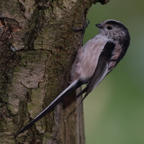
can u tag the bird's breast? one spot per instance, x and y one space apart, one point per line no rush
87 58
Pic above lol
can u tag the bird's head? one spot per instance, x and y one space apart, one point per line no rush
114 30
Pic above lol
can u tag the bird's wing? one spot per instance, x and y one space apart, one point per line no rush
73 86
102 67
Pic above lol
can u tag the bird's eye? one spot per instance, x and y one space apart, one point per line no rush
109 27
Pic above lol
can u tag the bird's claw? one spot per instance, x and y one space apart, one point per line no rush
84 27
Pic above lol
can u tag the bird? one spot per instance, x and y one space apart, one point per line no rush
94 60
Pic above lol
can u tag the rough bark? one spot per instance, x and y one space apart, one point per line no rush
37 48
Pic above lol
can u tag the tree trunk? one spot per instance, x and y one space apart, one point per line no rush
37 49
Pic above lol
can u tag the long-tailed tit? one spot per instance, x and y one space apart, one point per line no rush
94 61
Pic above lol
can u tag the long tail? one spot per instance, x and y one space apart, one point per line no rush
73 86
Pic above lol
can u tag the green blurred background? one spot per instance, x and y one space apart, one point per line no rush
114 111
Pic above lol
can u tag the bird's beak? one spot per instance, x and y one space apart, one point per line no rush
98 25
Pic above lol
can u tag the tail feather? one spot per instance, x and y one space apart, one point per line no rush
73 86
83 91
